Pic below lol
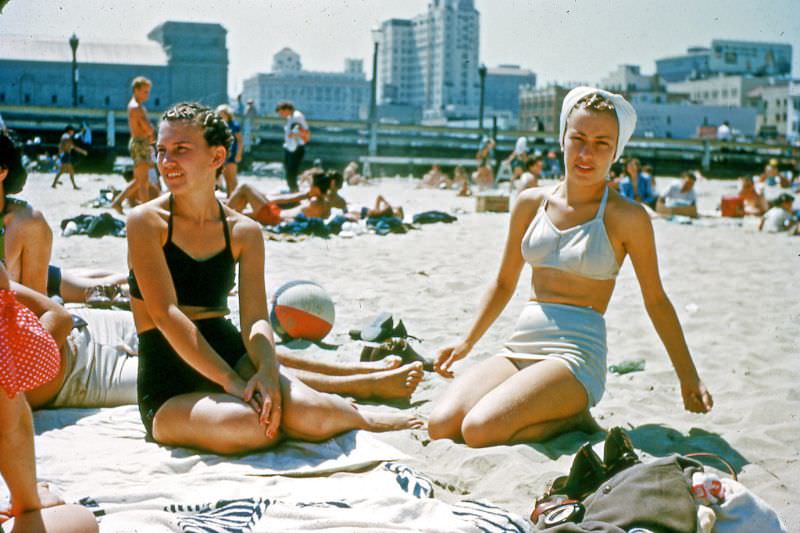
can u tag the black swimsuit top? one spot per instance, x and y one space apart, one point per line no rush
202 283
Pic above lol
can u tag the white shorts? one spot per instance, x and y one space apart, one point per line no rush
102 360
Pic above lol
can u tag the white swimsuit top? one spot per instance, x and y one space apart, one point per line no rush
584 249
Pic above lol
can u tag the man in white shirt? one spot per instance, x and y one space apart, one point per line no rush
724 132
295 136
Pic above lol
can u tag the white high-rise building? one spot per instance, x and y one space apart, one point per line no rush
431 62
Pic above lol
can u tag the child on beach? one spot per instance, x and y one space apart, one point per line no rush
65 148
202 383
779 217
575 236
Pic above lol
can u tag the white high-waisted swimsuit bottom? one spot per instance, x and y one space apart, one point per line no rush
576 336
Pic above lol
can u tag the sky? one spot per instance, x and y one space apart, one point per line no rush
560 40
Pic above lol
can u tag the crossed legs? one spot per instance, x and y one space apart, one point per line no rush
495 403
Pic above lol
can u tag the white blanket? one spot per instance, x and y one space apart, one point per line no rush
99 457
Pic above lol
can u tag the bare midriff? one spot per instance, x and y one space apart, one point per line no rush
550 285
143 321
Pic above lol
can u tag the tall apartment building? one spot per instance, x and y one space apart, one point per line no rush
501 91
431 62
728 57
319 95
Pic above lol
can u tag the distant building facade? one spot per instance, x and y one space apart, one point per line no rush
718 90
728 57
431 62
778 107
501 91
540 107
683 121
184 60
319 95
629 79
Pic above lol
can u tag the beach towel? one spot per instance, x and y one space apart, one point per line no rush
430 217
99 458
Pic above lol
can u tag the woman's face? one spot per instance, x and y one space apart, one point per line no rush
589 144
185 160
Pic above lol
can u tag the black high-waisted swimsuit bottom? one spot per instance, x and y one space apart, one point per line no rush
163 374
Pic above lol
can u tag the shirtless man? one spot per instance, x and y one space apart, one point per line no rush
65 148
139 145
272 210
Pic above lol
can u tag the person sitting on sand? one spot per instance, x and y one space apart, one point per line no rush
484 176
575 236
533 173
334 199
32 507
434 179
637 186
753 202
779 217
272 210
461 180
352 176
203 383
679 198
65 148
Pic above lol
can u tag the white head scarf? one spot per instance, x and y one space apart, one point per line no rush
626 115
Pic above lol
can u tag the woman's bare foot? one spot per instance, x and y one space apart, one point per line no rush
396 383
47 498
386 363
379 422
402 348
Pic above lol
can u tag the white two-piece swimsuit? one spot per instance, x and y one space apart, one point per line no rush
574 335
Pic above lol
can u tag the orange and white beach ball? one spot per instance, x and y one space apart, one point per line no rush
302 310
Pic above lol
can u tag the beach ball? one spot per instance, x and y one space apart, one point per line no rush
302 310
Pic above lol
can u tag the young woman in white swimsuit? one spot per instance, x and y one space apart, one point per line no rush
575 237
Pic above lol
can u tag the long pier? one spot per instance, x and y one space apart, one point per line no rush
336 143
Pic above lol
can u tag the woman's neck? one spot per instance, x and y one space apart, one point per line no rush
576 194
198 207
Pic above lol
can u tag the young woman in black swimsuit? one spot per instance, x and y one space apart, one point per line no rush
203 383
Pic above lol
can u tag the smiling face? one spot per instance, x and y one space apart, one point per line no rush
589 144
184 158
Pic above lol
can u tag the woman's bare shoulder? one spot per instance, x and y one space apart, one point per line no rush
243 229
152 214
624 216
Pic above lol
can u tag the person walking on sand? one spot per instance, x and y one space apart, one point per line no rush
65 148
295 137
202 382
575 236
140 145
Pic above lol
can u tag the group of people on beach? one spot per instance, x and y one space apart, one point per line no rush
203 382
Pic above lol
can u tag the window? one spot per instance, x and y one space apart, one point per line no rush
107 100
54 99
2 97
27 98
80 99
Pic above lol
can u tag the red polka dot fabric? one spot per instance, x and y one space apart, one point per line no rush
29 356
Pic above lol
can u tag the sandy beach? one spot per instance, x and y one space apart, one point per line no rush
734 289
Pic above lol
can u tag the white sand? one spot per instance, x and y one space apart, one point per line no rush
734 289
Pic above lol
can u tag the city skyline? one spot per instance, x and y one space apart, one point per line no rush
325 33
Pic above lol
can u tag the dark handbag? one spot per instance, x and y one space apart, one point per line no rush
620 492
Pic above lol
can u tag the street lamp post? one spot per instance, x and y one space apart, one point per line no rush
73 43
482 74
373 101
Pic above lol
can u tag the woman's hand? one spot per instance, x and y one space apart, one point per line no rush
445 357
264 388
696 397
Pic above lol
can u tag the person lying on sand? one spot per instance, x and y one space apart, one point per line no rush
99 364
575 236
202 382
272 210
381 208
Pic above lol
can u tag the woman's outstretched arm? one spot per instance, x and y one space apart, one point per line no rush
639 243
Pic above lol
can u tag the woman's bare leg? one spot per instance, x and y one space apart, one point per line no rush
387 384
229 172
337 368
244 195
75 283
307 414
534 404
467 390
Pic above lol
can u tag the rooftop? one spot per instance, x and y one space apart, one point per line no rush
49 49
